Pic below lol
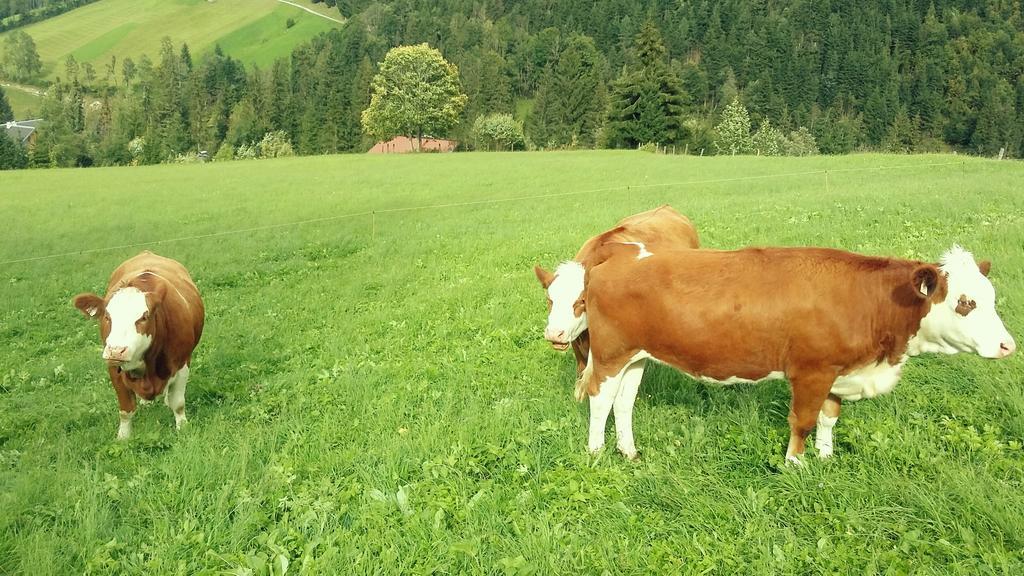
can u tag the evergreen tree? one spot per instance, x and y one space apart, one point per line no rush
998 127
12 155
647 101
571 99
6 113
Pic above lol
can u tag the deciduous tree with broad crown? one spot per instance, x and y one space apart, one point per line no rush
416 92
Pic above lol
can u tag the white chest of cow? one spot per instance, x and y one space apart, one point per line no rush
869 381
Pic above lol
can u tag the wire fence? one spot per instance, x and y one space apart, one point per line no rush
373 213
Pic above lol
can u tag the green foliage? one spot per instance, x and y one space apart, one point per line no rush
224 153
732 133
275 145
768 140
416 93
12 155
903 136
498 132
6 113
20 60
374 394
647 99
597 73
800 142
569 109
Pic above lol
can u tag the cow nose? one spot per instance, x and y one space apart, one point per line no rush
114 352
1007 348
552 335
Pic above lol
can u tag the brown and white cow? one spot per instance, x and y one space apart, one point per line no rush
150 322
837 325
567 319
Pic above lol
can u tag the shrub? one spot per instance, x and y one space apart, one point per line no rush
274 145
800 143
498 132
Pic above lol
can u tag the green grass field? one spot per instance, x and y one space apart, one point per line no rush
24 104
251 30
372 394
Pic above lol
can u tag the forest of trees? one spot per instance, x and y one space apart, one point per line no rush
896 75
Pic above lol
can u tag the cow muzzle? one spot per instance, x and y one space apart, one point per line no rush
558 338
1007 348
115 354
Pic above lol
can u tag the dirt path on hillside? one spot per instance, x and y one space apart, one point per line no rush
311 11
33 90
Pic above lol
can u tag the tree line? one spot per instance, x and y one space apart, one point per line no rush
17 13
897 75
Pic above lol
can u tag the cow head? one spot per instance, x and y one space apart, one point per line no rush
966 320
128 323
567 316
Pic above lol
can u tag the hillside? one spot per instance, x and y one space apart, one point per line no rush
373 394
25 100
253 31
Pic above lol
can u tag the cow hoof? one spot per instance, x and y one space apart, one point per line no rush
824 452
794 461
122 436
179 423
631 455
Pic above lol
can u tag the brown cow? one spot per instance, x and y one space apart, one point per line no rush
567 319
835 324
150 322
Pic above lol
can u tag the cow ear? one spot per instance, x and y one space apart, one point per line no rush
925 281
984 267
545 277
91 305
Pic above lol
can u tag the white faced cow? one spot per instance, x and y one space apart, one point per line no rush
150 322
567 318
837 325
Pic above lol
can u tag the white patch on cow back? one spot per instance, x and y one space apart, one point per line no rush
945 331
643 250
868 381
126 307
563 292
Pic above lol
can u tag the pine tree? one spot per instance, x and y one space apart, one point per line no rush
12 155
570 104
6 113
647 100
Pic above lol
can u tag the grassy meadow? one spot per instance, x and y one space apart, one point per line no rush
251 30
25 104
372 394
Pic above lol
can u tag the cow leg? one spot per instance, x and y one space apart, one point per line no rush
624 408
601 404
126 405
175 396
581 349
809 393
827 419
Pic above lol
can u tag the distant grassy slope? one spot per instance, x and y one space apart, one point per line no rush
24 104
252 30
